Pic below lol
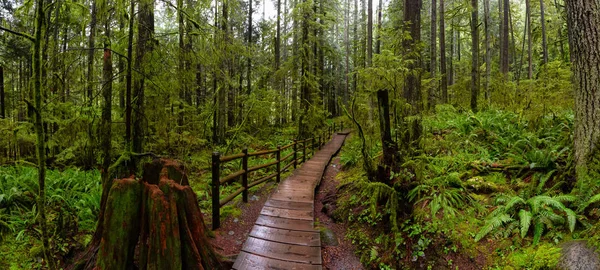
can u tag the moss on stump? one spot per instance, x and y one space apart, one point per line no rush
155 224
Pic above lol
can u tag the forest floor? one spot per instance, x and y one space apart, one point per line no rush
341 256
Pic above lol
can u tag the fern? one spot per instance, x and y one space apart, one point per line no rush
493 224
525 218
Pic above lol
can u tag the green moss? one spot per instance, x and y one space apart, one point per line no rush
543 256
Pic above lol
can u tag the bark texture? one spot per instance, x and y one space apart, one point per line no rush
583 17
475 56
155 223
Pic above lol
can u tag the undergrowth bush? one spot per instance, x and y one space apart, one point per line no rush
72 205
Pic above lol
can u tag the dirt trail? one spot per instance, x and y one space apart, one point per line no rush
341 256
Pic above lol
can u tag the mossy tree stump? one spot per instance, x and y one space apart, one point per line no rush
155 223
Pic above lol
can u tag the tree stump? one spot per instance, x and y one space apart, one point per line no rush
155 223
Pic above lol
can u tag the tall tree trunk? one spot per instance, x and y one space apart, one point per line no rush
223 78
90 63
369 33
128 78
279 79
475 55
250 11
145 43
347 52
182 63
433 55
305 92
488 52
529 41
107 73
544 38
355 49
122 69
451 59
583 18
412 19
444 76
2 101
39 130
504 45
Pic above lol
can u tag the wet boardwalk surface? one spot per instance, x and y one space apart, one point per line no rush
284 236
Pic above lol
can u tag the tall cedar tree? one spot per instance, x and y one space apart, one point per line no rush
475 55
583 17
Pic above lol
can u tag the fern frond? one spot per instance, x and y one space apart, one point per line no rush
571 218
512 202
492 224
525 218
538 230
566 198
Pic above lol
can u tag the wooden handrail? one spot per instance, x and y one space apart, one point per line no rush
218 160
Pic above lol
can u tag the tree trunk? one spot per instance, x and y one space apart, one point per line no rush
182 66
444 76
39 130
451 59
107 73
369 33
157 219
91 45
583 18
122 69
305 91
145 43
488 52
544 38
412 19
223 78
249 87
128 78
504 45
433 55
2 101
390 149
475 55
529 41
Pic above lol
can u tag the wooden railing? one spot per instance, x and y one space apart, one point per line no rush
298 146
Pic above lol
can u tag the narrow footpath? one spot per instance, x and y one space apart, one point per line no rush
284 235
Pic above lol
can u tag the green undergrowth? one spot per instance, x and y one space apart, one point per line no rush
73 202
485 190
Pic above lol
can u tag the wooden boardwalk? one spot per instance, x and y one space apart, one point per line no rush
284 236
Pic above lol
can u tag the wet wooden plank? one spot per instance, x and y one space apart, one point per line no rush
288 213
286 252
286 224
247 261
300 238
290 205
293 197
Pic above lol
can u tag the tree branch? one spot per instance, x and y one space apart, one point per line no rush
20 34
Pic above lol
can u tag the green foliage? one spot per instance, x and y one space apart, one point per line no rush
543 256
542 212
445 193
73 204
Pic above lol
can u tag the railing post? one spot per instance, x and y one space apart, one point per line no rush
334 130
319 143
295 153
303 151
245 175
278 164
342 128
216 213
